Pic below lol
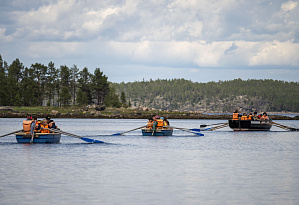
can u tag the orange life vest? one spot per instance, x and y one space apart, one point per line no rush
27 126
38 123
244 117
250 117
150 124
264 118
160 123
235 116
43 130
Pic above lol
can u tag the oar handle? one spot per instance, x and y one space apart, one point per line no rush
11 133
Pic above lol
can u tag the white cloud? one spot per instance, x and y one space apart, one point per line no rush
289 6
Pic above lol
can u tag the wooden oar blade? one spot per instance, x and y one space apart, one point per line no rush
91 140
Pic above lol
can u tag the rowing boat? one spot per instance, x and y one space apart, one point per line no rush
158 132
38 137
249 125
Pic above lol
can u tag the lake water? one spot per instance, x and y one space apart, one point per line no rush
222 167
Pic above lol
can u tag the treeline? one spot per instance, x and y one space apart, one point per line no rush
222 96
48 85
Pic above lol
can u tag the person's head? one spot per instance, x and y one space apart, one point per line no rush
29 117
150 119
45 122
236 111
35 118
157 117
48 118
265 114
255 113
162 118
154 118
244 114
250 113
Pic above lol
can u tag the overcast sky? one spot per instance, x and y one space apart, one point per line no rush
201 40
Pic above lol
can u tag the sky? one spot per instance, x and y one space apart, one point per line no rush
200 40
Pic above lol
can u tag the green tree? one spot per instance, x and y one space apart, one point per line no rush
100 86
84 84
65 96
52 82
123 98
112 99
82 99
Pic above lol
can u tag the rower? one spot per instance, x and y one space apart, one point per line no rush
150 123
51 123
244 117
250 116
236 115
264 117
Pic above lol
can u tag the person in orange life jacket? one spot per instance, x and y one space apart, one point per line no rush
160 123
250 116
236 115
244 117
44 125
51 123
28 125
166 122
150 123
265 117
38 126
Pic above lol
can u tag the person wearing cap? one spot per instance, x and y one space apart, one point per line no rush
51 123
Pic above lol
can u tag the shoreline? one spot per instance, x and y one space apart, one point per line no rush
137 115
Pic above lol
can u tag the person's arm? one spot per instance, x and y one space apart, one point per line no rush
32 128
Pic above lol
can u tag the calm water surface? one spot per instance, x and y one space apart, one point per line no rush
223 167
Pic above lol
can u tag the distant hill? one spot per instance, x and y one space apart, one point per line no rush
222 96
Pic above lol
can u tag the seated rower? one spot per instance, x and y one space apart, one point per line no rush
37 128
244 116
150 123
166 122
28 125
250 116
264 117
51 123
160 123
236 115
255 117
44 127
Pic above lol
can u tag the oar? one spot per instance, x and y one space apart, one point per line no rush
284 127
11 133
199 130
218 127
187 130
77 136
129 130
212 124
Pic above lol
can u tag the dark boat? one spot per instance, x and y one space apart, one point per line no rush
158 132
249 125
38 138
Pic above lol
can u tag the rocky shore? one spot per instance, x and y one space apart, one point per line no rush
133 115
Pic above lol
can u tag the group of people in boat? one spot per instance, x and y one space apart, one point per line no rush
32 125
157 122
250 116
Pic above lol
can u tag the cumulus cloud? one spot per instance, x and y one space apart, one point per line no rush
191 34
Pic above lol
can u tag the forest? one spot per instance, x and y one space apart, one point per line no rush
223 96
47 85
